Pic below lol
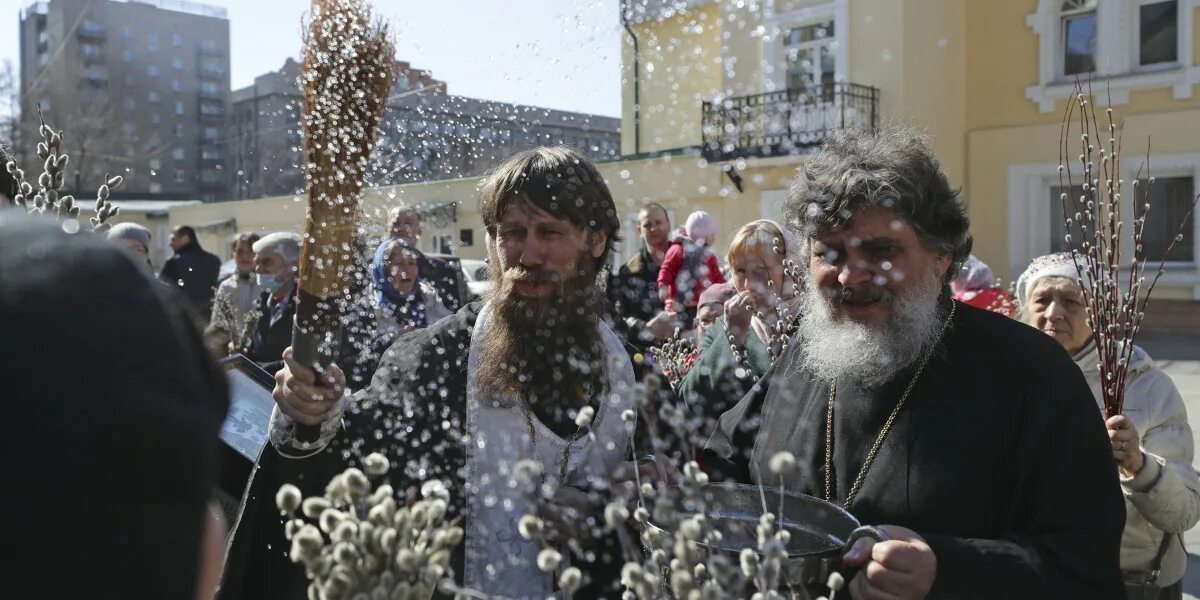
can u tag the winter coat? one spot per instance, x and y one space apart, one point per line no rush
717 381
687 270
1165 495
194 271
633 292
271 337
234 303
446 277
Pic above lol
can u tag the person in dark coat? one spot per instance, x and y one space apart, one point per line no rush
192 269
110 473
404 223
968 439
276 257
485 373
633 291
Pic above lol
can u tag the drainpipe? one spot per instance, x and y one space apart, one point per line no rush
637 108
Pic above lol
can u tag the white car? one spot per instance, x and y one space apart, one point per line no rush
476 273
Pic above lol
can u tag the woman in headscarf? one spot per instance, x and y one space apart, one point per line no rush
1152 442
741 345
397 301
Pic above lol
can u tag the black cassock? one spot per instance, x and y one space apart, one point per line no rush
998 459
414 412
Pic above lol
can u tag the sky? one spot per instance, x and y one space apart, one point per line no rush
561 54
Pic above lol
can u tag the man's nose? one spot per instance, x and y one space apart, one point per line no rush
532 254
855 272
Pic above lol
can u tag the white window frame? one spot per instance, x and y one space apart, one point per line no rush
777 24
1117 53
1029 233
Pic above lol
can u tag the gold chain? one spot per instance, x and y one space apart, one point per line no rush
887 426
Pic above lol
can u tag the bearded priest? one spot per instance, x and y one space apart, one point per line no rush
970 439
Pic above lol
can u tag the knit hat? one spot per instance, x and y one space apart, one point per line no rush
114 465
700 225
130 231
717 293
975 275
1059 264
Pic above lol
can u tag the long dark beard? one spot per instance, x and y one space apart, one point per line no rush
546 350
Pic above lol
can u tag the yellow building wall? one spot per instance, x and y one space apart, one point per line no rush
680 67
993 151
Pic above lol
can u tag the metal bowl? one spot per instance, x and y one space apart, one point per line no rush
820 530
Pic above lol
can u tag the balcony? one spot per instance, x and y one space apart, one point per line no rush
784 123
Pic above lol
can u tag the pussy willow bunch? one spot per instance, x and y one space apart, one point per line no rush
358 542
675 357
660 525
48 197
1096 230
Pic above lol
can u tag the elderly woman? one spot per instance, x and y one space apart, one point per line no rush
741 345
397 301
1151 442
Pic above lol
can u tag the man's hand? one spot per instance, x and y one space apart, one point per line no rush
301 396
661 326
900 568
1126 444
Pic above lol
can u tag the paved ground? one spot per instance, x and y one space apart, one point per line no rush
1179 356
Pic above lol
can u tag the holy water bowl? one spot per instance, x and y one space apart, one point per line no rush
820 531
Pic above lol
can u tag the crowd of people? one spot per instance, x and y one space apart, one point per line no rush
858 334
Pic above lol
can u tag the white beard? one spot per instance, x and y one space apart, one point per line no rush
851 352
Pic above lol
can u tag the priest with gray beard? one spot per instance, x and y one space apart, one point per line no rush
969 439
471 397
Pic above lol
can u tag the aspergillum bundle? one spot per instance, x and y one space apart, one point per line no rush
1096 230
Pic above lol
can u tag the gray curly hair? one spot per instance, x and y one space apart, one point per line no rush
891 167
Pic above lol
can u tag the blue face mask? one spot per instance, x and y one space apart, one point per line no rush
268 282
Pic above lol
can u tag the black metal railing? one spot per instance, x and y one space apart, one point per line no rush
783 123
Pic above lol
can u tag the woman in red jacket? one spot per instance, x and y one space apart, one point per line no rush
690 265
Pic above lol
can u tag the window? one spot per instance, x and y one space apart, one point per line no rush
152 70
153 96
90 50
155 118
176 40
466 237
155 188
176 86
126 32
152 41
211 108
180 176
1170 199
178 154
809 50
1079 36
178 107
127 55
210 154
1158 32
128 127
92 27
178 130
177 63
208 45
155 164
130 104
210 133
208 87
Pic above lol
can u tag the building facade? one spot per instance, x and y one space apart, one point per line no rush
723 101
142 89
425 134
